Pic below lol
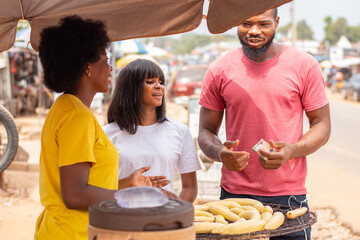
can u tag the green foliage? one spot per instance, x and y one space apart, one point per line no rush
304 31
334 30
284 30
22 24
189 41
329 30
219 37
354 34
340 27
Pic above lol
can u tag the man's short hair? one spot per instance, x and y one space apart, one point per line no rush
275 11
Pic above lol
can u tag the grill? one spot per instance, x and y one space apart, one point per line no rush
176 214
289 226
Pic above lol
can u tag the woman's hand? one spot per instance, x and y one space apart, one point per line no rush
139 180
170 195
159 181
136 179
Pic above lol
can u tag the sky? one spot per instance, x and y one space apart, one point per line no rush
314 13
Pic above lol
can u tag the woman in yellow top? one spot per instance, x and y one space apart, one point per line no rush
78 163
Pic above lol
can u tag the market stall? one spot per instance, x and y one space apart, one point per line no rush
129 19
229 219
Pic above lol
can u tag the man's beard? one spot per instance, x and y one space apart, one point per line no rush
255 54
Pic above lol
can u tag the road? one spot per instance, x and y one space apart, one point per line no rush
333 171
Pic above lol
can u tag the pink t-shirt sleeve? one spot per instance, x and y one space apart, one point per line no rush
210 96
314 95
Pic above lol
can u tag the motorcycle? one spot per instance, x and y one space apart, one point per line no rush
9 138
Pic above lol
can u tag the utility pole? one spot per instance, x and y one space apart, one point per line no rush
293 23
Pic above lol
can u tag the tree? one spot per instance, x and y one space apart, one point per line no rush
334 30
340 27
284 30
329 30
304 31
219 37
354 34
189 41
22 24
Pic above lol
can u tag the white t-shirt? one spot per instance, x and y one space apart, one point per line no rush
162 146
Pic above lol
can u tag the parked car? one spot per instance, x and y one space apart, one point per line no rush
352 88
187 81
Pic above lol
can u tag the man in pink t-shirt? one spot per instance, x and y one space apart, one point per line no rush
265 87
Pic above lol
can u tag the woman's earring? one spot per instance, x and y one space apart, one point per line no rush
88 74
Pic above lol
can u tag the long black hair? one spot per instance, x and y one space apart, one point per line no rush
126 104
66 50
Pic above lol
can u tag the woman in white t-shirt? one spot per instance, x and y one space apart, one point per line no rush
143 135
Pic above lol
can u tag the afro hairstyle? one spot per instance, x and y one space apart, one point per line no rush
66 50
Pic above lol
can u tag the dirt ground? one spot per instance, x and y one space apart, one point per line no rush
19 209
20 205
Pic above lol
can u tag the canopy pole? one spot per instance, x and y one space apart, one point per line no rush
22 10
